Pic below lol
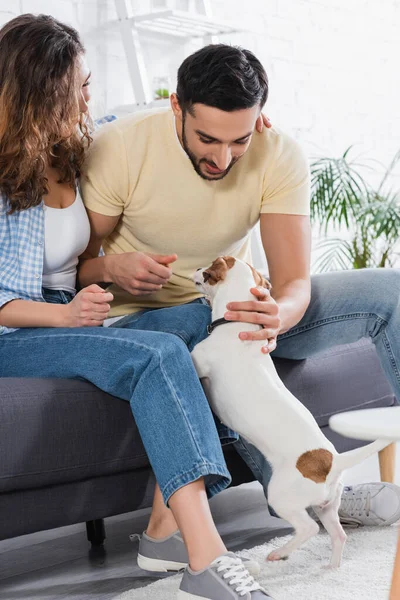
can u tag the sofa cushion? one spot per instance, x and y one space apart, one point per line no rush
347 377
59 430
56 431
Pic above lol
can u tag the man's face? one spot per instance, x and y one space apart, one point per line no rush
215 139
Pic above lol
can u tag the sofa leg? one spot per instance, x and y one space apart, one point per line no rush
95 532
387 461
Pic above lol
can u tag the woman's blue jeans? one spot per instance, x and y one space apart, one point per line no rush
152 370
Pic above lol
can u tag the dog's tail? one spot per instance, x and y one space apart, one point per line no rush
349 459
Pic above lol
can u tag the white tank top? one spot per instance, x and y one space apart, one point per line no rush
66 236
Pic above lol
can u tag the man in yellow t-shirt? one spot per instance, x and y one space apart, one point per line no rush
144 184
167 191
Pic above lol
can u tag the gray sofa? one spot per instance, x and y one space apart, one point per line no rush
70 453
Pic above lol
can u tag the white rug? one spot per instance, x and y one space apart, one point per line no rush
365 573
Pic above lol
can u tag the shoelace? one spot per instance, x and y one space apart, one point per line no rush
237 575
354 504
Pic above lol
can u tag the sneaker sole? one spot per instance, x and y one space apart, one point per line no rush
158 565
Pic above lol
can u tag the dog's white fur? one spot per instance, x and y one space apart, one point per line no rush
246 393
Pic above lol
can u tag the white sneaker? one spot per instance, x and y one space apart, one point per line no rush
376 504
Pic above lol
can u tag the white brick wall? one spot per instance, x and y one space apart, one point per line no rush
332 64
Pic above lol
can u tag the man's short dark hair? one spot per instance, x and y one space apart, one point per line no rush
226 77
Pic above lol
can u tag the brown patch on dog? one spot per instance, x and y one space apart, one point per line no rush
259 279
315 464
218 270
230 261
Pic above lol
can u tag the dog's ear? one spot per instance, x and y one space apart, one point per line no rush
230 261
264 282
259 280
218 270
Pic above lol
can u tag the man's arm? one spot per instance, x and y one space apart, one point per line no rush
286 241
287 244
285 233
92 267
138 273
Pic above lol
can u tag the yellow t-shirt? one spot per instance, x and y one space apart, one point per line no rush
138 169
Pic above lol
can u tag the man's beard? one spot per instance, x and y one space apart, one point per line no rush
196 163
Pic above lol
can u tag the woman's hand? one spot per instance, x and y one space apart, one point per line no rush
262 122
264 311
89 308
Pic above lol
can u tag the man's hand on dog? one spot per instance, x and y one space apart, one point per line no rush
263 311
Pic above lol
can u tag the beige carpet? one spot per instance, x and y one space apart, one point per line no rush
365 573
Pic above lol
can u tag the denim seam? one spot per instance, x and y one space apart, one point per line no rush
201 469
98 337
338 318
178 334
388 349
173 391
387 346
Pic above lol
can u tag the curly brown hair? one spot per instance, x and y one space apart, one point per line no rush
40 121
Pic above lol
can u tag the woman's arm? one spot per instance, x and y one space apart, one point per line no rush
27 313
89 308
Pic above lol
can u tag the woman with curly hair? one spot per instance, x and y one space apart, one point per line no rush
49 330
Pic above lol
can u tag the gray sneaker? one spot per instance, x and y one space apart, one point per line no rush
226 578
169 554
166 554
376 504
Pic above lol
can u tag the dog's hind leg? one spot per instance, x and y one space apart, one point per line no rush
330 520
289 500
305 528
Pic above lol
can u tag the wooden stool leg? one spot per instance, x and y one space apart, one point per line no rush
395 589
387 461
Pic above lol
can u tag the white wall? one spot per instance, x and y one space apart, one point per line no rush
332 64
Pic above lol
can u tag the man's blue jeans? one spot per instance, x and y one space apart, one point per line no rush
152 370
345 307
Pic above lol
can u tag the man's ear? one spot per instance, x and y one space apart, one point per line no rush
176 109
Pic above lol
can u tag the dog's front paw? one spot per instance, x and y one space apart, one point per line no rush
275 555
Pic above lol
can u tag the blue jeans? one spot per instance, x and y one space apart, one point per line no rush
152 370
345 307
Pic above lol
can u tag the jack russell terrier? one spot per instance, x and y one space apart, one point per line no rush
246 393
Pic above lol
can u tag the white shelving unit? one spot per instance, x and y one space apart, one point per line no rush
167 23
179 24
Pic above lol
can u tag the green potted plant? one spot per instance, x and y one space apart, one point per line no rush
342 198
161 94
